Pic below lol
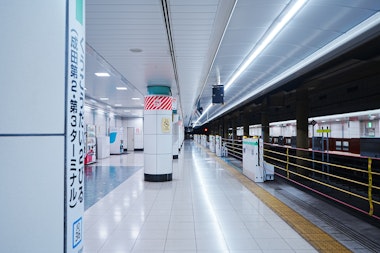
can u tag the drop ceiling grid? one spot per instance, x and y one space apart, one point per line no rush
118 26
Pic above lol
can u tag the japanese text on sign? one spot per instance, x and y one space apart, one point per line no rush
75 128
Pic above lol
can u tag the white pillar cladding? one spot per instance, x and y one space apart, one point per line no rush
42 126
158 143
175 137
175 132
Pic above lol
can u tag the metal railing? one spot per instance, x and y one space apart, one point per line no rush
356 185
353 181
234 148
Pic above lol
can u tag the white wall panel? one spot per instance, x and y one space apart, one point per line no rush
138 125
27 82
164 164
164 144
150 124
32 194
150 164
150 144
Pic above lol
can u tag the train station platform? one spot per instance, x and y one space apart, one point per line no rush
209 207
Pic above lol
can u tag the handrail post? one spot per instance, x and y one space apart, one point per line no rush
287 163
370 186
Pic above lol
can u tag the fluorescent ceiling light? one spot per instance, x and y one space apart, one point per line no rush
347 115
358 30
104 99
266 41
285 122
118 105
204 113
102 74
262 45
121 88
135 98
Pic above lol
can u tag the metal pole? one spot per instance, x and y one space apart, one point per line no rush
312 148
323 152
327 155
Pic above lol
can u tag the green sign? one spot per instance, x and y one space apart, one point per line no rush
323 130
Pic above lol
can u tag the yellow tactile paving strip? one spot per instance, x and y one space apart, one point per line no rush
319 239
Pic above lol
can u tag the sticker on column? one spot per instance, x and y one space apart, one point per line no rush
165 125
77 232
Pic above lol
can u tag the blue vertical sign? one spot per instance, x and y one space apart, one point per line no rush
75 138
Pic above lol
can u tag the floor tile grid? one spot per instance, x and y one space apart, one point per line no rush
144 208
264 242
259 230
319 239
264 225
102 219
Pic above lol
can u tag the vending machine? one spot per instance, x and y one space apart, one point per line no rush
90 147
116 141
253 159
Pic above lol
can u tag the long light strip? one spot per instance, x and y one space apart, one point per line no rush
266 41
203 114
341 116
257 51
335 44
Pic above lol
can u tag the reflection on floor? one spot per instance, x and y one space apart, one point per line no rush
208 207
204 209
100 180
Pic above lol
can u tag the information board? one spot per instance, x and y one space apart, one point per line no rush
75 131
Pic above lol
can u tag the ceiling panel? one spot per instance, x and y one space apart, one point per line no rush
210 40
316 25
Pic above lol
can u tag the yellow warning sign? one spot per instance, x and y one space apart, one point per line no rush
165 125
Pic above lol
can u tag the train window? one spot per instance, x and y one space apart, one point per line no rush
346 146
338 145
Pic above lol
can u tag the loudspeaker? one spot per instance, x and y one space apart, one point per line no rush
218 94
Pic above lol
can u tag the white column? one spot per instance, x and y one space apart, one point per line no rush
41 111
158 138
175 136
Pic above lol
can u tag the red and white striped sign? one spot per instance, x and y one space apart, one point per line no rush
157 102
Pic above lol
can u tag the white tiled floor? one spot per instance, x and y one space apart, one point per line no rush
204 209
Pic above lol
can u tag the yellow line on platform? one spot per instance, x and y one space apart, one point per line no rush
319 239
